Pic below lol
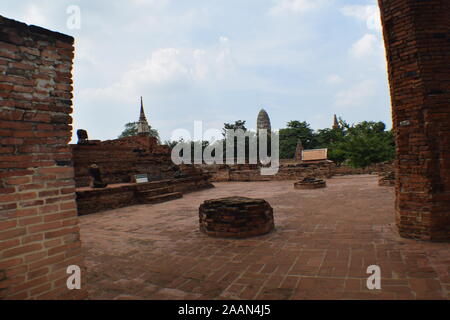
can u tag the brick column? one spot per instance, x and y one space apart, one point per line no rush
417 39
39 233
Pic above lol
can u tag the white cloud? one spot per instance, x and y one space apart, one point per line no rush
152 3
368 45
334 79
357 95
170 68
34 15
370 14
296 6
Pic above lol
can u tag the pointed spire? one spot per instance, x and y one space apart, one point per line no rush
335 123
142 115
299 150
263 121
143 127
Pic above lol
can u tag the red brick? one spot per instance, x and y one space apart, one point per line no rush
21 250
10 234
8 224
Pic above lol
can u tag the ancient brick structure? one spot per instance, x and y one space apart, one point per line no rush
310 183
235 217
119 160
122 195
39 235
298 151
417 39
263 121
377 168
288 170
335 123
387 179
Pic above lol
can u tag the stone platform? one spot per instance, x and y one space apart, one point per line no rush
236 217
324 241
90 200
310 183
387 180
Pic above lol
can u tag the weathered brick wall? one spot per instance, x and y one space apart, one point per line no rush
380 168
119 160
39 235
417 39
288 170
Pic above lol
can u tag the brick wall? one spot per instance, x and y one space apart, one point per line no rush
119 160
288 170
417 39
39 235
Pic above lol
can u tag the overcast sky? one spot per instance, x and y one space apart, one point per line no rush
219 61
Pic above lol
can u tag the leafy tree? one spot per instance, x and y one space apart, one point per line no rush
360 145
239 124
170 144
289 137
131 129
367 143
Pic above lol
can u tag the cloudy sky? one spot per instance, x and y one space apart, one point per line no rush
219 61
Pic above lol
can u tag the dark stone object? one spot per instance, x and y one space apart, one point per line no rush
95 173
236 217
310 183
82 136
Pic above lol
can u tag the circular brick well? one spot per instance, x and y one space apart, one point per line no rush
310 183
236 217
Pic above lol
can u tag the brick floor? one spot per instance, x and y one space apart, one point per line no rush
323 243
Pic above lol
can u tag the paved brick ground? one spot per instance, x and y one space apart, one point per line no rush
323 243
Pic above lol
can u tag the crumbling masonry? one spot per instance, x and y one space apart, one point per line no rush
417 39
39 234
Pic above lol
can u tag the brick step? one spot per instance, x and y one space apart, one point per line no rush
155 192
162 198
153 185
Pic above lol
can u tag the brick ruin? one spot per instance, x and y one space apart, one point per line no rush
235 217
310 183
39 234
119 161
288 170
387 179
417 40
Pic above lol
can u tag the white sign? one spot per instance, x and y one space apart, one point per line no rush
141 178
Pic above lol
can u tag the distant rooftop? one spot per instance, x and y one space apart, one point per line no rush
315 154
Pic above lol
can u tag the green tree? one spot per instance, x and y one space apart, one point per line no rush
131 129
363 144
289 137
239 124
368 143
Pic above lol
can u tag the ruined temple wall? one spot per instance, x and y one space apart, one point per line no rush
119 160
287 171
379 168
417 40
39 233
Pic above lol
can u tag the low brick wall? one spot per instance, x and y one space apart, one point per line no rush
379 168
91 200
119 160
287 171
